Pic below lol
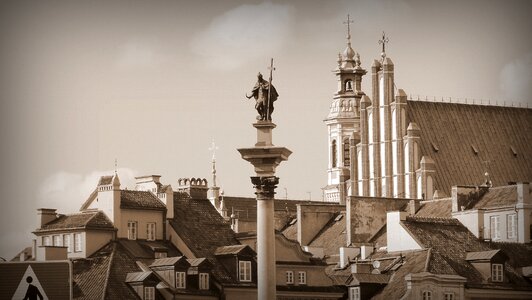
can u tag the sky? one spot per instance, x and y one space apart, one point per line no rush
152 83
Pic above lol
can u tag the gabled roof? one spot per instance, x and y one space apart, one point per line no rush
440 208
103 275
168 261
195 262
83 220
332 236
481 255
230 250
458 128
497 197
137 276
140 200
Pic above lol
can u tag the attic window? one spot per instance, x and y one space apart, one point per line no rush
475 149
496 272
513 151
435 147
338 217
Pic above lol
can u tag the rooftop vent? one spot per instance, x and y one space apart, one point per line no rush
475 149
513 151
435 147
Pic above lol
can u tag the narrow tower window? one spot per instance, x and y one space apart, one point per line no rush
334 155
348 85
346 153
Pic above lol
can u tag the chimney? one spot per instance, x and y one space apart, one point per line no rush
365 251
414 205
196 188
166 195
347 253
34 249
150 183
46 215
523 193
461 196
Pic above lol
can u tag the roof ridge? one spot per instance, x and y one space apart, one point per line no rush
108 273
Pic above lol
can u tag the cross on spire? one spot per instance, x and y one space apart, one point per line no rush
383 41
116 165
348 22
213 148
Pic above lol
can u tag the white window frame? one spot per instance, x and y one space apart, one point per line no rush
244 270
203 281
495 226
426 295
46 240
448 296
354 293
302 277
497 272
67 241
180 280
150 231
132 229
77 242
289 277
511 226
149 293
57 240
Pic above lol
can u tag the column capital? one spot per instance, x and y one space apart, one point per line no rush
265 186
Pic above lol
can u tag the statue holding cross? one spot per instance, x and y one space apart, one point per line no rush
265 94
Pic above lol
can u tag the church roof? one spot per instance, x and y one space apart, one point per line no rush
140 200
82 220
460 138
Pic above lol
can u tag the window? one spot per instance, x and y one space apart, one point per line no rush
511 226
203 281
354 293
333 153
46 241
57 240
448 296
302 277
77 242
427 295
289 277
150 232
494 228
180 280
244 270
131 230
496 272
346 153
149 293
160 254
67 242
348 85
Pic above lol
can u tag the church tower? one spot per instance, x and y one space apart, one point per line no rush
343 120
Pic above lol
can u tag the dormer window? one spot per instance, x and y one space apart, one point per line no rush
354 293
149 293
150 232
203 281
244 270
131 230
496 272
180 280
427 295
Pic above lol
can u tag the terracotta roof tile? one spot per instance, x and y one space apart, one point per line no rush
332 236
85 220
498 197
440 208
140 200
493 130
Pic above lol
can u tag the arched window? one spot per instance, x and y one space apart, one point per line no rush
427 295
348 85
346 153
334 154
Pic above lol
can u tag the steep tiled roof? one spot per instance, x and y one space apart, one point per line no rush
141 249
450 243
246 208
85 220
412 262
332 236
519 255
498 197
103 275
440 208
456 128
28 254
290 231
140 200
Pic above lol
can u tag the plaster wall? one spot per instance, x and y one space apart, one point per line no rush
398 239
142 217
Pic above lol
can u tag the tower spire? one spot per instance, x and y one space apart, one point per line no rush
348 23
213 148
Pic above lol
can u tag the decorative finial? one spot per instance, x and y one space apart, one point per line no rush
487 180
116 164
339 59
213 148
357 60
383 41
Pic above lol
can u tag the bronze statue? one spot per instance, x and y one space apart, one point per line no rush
265 94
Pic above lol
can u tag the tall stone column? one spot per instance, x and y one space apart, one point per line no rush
265 157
